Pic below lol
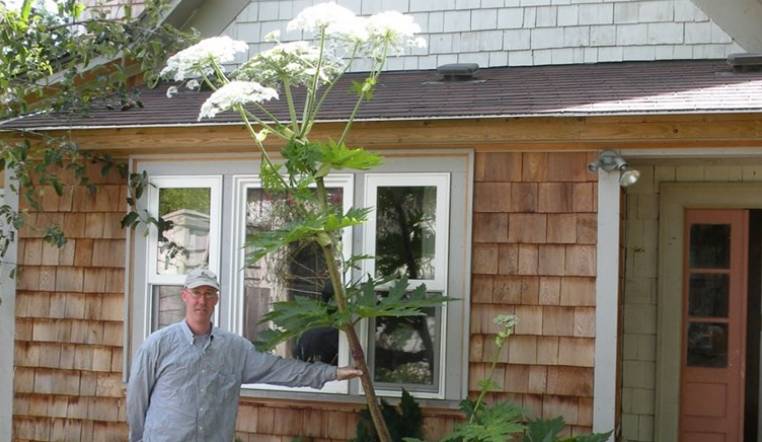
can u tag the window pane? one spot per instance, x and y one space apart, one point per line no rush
708 295
406 231
707 345
406 349
188 209
168 307
710 246
280 276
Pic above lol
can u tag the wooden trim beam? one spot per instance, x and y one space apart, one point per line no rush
495 134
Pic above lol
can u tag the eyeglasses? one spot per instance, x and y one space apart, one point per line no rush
206 294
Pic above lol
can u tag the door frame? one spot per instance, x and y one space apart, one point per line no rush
675 198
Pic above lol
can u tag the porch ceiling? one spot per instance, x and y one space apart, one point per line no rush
630 88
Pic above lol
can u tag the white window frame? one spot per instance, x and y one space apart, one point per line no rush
241 185
153 278
230 172
438 284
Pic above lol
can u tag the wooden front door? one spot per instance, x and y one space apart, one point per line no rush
714 326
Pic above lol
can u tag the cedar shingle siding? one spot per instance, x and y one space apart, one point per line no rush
70 318
533 254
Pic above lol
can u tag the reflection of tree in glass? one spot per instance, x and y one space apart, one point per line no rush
298 270
404 351
172 199
405 238
405 233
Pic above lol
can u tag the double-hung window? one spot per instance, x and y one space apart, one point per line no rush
419 227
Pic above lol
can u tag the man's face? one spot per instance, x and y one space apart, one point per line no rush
200 302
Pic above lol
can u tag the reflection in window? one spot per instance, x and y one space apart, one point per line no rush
708 295
168 307
298 271
710 246
188 209
405 231
707 345
406 349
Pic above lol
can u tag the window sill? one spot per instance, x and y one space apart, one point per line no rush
319 400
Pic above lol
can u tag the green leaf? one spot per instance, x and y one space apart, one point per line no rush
129 219
292 318
339 156
543 430
398 301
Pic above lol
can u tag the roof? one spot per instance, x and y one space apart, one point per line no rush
628 88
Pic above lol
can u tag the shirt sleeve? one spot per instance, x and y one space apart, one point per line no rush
142 378
266 368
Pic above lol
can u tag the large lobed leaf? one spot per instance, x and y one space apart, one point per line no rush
292 318
398 301
311 228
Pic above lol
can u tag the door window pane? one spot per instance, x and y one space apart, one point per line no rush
168 307
298 271
406 349
708 295
710 246
188 209
707 345
406 231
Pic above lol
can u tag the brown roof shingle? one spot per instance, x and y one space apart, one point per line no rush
630 88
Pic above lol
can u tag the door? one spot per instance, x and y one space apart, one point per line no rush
714 326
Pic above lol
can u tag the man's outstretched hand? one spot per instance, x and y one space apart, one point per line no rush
344 373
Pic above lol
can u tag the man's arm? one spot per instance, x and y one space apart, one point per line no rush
142 378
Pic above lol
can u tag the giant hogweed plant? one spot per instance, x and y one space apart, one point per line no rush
502 421
298 177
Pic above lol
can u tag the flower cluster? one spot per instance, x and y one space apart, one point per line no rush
297 61
389 29
505 324
197 60
395 29
235 93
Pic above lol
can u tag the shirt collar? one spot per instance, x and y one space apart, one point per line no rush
188 333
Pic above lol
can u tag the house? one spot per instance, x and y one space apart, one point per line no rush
637 305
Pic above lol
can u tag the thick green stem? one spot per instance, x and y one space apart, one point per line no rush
291 108
373 77
355 347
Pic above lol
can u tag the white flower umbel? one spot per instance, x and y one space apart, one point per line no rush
395 29
197 60
234 93
321 16
294 62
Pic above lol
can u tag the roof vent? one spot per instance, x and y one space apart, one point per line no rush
746 62
458 71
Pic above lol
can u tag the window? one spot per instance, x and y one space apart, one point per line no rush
419 227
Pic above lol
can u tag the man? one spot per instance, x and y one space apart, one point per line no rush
186 378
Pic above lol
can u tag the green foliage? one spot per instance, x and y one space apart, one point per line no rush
315 226
398 300
494 423
52 61
549 430
405 422
293 318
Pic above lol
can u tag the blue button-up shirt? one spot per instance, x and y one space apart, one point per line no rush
186 388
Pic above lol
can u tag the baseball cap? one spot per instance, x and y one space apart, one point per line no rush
200 277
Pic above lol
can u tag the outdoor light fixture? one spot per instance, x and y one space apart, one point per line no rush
611 161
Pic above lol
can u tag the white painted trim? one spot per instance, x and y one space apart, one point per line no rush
442 183
695 152
214 183
241 184
606 302
7 322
